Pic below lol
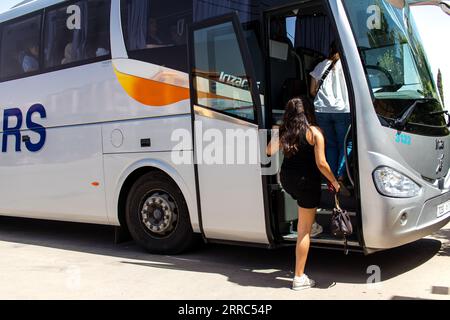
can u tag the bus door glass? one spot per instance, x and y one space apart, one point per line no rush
227 112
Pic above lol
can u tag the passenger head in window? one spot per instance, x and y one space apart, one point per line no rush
29 58
152 37
67 54
100 52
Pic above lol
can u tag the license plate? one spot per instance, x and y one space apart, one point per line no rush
443 209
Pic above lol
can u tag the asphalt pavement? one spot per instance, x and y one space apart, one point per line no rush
55 260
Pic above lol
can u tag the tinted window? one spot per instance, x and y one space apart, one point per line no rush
247 10
20 47
155 31
77 32
220 77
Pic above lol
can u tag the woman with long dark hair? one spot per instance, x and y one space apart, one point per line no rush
303 146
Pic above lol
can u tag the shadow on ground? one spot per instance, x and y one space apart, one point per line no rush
241 265
443 235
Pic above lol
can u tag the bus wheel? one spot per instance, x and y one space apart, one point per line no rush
157 215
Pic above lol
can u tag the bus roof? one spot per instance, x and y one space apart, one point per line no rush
26 7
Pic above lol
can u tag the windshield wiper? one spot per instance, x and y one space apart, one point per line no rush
401 121
439 113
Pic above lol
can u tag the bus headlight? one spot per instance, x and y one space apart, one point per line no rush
392 183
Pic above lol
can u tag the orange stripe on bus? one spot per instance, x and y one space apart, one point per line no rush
156 93
151 92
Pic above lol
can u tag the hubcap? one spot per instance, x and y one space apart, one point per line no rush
159 213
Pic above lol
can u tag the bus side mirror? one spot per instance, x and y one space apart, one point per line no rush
445 7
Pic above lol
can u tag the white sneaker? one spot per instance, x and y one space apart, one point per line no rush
316 229
303 282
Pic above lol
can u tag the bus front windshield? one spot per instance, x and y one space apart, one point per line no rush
396 66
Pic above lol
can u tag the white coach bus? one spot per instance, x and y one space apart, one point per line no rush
95 95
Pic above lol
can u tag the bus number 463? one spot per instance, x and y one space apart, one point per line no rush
13 120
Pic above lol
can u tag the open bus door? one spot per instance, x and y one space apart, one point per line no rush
226 109
289 64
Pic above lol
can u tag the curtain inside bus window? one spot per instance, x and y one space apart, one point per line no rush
248 10
80 35
51 35
137 24
314 33
58 38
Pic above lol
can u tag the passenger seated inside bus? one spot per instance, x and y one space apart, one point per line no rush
29 58
153 38
67 54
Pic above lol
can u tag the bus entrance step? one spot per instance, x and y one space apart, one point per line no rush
322 239
330 212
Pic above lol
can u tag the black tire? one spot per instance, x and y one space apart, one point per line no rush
180 236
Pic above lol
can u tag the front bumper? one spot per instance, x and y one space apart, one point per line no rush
422 220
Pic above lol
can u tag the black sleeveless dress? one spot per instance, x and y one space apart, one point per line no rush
301 178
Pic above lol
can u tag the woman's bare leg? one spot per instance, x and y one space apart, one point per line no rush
305 221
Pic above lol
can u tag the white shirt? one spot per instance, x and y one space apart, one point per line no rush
333 95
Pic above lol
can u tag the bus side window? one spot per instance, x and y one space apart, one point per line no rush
155 31
77 32
20 49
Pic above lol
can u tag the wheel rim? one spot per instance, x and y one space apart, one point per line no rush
159 213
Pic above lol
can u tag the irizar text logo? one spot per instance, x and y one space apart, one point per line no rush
233 80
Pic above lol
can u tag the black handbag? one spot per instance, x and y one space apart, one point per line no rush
341 225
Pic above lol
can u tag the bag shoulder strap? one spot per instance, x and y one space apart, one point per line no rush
325 75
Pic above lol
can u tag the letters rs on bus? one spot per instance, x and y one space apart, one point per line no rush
13 121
